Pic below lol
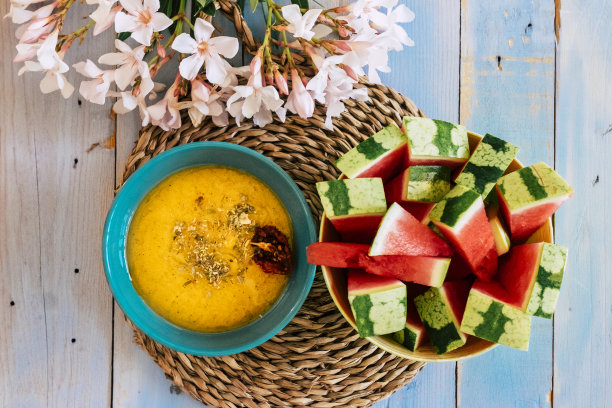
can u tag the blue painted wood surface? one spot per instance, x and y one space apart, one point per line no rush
583 320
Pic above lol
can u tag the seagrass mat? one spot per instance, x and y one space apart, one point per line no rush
318 360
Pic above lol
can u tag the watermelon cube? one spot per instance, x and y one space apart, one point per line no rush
402 234
378 304
424 184
489 315
487 164
532 275
413 335
435 142
354 206
381 155
529 196
337 254
441 311
461 217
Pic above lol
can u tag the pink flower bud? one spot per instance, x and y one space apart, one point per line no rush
343 32
349 71
161 51
256 64
281 82
343 45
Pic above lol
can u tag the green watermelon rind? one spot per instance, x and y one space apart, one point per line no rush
352 197
431 138
428 184
545 291
495 321
379 312
371 150
532 186
440 323
455 206
487 164
409 337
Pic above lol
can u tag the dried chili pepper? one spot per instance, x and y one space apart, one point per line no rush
271 250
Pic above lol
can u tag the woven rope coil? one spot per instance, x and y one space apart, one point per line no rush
318 360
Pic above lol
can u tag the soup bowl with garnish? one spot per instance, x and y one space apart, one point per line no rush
204 248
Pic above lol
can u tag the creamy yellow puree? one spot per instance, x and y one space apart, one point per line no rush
188 251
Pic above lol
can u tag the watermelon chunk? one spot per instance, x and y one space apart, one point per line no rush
420 211
413 335
381 155
532 275
435 142
378 304
489 315
441 311
337 254
529 196
354 207
424 270
426 184
461 217
487 164
402 234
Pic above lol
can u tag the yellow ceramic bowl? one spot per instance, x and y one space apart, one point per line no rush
337 285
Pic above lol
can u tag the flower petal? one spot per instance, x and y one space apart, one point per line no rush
125 23
143 34
113 58
88 69
291 13
131 6
185 44
226 46
124 75
49 83
152 5
215 69
202 30
160 22
190 66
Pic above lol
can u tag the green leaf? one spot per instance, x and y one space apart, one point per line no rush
124 36
254 4
302 3
207 6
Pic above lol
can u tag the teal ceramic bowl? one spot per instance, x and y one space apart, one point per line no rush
118 223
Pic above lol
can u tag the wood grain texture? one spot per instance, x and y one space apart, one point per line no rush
583 320
507 89
56 340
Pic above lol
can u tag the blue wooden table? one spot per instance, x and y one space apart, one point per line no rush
535 72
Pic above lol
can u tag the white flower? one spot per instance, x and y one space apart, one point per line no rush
318 83
95 90
392 32
130 61
104 16
142 20
54 78
205 103
35 30
300 25
254 100
299 100
373 53
205 49
165 113
340 87
19 14
128 101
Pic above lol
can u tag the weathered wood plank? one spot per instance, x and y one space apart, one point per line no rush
56 340
507 89
428 73
583 319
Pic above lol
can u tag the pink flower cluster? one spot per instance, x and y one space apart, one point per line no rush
340 43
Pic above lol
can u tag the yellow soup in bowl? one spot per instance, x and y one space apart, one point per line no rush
190 248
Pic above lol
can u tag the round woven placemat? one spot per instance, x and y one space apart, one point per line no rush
318 360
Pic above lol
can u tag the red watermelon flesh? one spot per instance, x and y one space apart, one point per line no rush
418 210
357 228
517 273
413 290
424 270
400 233
359 281
388 165
457 294
337 254
528 220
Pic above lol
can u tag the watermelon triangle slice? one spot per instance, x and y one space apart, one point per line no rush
400 233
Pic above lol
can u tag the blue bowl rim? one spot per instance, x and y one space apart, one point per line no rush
303 206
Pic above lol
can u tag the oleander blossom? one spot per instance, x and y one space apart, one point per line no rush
304 57
205 49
